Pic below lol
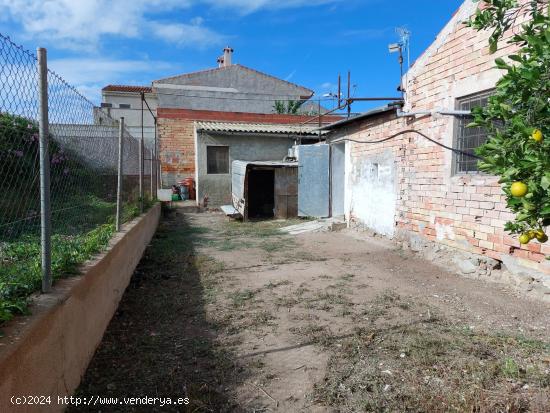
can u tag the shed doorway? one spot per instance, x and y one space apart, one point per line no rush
265 189
261 197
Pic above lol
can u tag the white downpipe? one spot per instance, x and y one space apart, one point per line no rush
444 112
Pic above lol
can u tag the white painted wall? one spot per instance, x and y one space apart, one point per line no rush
132 116
371 192
338 181
348 189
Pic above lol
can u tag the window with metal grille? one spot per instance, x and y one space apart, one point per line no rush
217 159
125 106
468 139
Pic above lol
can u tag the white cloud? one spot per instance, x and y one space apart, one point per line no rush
80 24
182 34
78 70
89 75
250 6
291 75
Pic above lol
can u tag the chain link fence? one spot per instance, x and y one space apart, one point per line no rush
82 144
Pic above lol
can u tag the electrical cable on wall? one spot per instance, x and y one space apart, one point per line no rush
457 151
148 107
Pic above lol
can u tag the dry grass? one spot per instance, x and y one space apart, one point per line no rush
191 324
428 364
161 342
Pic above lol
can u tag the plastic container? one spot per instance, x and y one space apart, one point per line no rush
189 183
184 192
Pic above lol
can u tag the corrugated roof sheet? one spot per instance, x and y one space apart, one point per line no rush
127 88
266 163
257 128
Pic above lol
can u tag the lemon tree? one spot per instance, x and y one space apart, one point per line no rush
517 116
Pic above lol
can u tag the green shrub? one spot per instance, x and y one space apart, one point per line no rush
517 116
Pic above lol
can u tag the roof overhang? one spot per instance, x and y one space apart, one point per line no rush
269 164
257 128
127 89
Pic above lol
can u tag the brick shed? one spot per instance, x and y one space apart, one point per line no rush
177 136
411 188
178 141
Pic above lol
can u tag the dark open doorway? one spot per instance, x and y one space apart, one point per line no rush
261 199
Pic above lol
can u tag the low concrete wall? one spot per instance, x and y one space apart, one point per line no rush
47 353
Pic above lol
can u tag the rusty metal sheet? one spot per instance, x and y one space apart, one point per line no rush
286 193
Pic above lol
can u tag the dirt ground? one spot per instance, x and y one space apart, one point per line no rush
239 317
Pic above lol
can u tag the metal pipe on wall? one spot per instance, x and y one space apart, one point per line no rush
141 163
444 112
348 101
151 173
120 174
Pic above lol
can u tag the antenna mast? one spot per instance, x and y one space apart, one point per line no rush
404 38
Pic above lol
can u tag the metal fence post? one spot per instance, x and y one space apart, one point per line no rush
157 166
141 163
120 173
45 211
152 166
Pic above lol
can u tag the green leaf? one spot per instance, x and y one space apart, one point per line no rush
501 64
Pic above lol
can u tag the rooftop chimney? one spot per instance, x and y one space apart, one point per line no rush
220 61
227 54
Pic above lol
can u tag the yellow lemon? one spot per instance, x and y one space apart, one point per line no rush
542 238
537 135
524 239
518 189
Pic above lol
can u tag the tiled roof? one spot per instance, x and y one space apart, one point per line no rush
127 88
257 128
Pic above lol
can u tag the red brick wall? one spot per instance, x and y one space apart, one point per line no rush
463 211
176 149
241 116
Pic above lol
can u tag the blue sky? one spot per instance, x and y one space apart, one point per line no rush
92 43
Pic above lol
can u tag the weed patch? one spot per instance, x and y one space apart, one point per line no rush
314 334
433 365
21 274
239 298
271 285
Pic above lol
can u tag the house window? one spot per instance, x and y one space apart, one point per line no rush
217 159
468 139
124 106
106 105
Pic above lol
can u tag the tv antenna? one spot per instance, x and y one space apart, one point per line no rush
404 35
